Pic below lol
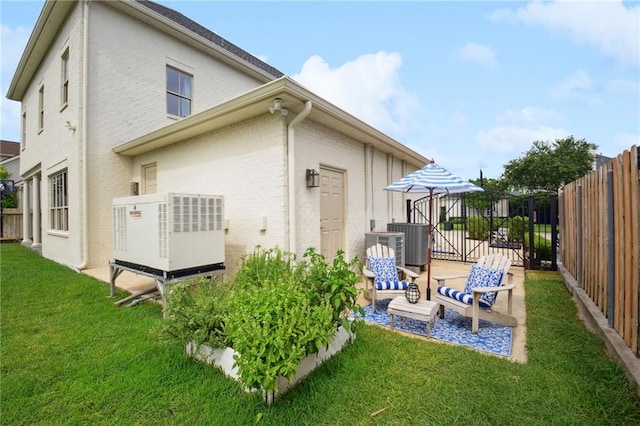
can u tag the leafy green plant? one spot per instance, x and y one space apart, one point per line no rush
273 328
267 265
196 311
335 284
516 228
478 227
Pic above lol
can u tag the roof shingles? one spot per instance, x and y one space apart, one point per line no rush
198 29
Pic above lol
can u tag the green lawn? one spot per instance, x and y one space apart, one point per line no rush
69 356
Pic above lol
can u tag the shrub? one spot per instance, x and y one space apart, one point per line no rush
275 312
516 228
273 328
478 227
196 311
335 284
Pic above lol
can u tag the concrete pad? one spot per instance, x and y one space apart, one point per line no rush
446 268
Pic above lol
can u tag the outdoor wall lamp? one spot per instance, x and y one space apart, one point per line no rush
313 178
277 106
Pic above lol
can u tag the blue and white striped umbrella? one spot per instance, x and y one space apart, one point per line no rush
433 179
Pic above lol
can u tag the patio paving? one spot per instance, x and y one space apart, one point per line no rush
133 283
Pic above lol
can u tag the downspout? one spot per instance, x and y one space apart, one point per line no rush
85 173
368 187
291 164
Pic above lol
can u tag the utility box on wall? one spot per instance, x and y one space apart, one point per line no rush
169 234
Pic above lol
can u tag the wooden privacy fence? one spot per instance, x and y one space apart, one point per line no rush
600 240
11 224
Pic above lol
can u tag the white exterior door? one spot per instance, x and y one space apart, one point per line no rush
331 212
149 179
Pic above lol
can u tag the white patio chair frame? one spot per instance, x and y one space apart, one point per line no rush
380 250
493 261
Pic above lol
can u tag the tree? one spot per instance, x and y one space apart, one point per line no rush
547 167
8 200
482 201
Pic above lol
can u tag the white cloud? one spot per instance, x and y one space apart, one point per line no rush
477 53
13 43
368 87
624 87
610 26
576 87
518 129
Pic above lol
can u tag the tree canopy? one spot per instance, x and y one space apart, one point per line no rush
547 167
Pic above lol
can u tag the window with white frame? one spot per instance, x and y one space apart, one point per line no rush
64 94
41 108
59 205
178 92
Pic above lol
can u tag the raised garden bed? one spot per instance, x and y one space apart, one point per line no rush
224 359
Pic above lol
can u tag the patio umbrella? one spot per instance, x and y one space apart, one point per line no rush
432 179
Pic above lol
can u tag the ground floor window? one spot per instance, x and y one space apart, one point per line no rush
59 205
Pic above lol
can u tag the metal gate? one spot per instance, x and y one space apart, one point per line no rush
470 225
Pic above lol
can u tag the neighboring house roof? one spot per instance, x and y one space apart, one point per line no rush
9 149
602 160
193 26
54 13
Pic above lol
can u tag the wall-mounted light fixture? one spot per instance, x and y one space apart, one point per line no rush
277 106
313 178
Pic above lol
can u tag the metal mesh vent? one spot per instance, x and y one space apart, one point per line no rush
163 230
120 228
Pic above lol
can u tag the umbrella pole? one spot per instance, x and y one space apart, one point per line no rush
429 234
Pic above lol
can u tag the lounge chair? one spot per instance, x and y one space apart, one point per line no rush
485 280
384 278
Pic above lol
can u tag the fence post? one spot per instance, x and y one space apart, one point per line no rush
532 245
611 251
408 211
579 234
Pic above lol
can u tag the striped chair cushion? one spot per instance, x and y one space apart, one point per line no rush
391 285
386 272
461 296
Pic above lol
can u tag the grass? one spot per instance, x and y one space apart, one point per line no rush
69 356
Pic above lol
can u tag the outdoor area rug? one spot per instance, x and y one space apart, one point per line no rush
453 328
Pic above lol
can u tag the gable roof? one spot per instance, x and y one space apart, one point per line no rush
198 29
54 13
9 149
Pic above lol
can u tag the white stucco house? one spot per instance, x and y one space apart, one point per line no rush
125 96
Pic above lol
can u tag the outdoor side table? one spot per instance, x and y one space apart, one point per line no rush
424 310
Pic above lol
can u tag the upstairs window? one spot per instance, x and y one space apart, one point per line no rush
41 109
64 93
178 92
59 205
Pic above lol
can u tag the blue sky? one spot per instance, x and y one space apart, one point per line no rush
469 84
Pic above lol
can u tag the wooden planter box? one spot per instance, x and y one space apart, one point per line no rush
223 358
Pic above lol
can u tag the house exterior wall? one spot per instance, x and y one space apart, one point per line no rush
246 163
319 147
55 147
126 98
